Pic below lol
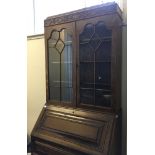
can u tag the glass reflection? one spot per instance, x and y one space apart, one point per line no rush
60 66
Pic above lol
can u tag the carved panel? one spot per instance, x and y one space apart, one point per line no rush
75 132
82 128
83 14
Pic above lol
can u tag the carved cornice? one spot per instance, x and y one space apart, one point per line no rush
83 14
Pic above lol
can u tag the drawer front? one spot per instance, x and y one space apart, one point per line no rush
44 148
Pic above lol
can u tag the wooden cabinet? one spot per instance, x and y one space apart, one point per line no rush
83 84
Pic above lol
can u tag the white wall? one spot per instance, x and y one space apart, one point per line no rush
36 90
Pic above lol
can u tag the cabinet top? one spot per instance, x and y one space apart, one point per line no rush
94 11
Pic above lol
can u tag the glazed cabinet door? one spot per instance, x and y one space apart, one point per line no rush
60 64
96 63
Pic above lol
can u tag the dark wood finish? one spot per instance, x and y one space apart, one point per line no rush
87 131
99 10
78 128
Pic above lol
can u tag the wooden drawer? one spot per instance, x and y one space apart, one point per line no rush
43 148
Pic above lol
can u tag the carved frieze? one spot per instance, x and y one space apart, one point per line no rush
82 14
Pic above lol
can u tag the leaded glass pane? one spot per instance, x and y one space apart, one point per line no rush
60 66
95 64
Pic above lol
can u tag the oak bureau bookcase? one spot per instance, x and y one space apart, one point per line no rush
82 114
